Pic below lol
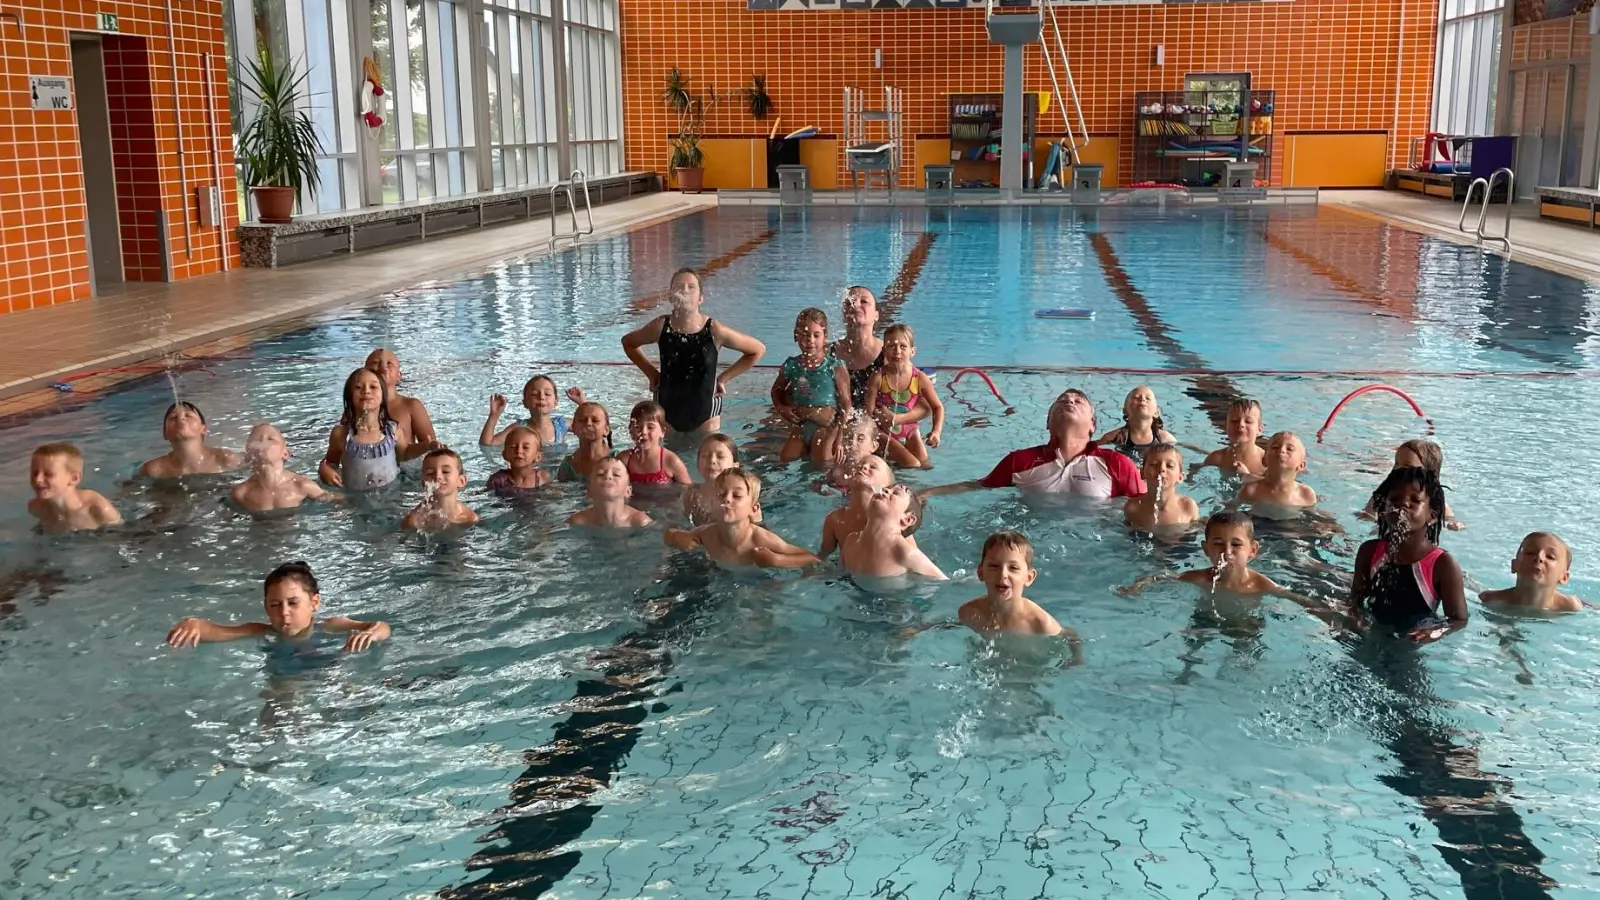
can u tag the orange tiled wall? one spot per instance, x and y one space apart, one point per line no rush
1337 65
42 228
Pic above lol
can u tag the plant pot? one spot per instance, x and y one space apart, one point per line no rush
690 179
274 205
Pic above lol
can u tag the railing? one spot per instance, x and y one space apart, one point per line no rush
1072 86
556 234
1478 231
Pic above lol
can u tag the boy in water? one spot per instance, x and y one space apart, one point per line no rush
858 442
1542 564
291 599
884 547
1007 570
609 490
407 412
1277 489
872 475
184 427
1162 505
737 540
270 486
1243 455
441 507
58 503
701 503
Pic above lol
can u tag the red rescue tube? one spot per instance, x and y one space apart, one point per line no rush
1367 389
986 380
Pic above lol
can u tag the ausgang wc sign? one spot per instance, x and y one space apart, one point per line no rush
50 92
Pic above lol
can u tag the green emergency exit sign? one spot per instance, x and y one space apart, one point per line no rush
108 22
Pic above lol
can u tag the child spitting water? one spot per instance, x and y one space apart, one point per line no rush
592 424
1403 579
1162 504
811 392
1242 456
271 486
648 462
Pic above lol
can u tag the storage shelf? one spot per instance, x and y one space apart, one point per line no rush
1183 137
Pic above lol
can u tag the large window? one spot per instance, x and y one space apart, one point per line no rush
314 37
593 86
1468 66
478 93
518 58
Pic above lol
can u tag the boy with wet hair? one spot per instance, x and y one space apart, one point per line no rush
736 539
441 506
1543 563
58 503
184 427
884 547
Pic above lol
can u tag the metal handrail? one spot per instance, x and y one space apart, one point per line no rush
556 234
1479 231
579 178
1072 85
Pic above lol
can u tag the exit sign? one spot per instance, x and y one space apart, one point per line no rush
108 22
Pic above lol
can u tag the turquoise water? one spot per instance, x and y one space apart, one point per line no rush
592 717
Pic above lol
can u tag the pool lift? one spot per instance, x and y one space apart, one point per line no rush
556 234
1483 211
867 154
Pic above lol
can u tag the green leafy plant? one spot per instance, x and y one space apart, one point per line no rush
691 109
675 95
280 145
756 98
686 153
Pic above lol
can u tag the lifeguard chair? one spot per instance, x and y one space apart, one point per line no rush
872 138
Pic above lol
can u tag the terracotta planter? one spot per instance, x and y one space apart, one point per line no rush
690 179
275 205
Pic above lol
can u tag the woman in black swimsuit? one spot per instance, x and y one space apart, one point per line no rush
686 383
860 350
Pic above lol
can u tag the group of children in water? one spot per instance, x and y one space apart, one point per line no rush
855 409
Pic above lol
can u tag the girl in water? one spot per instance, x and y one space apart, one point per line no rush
903 397
1141 427
686 383
539 397
648 462
522 473
366 448
592 424
1403 580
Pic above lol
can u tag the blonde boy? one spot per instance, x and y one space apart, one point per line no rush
735 539
1542 564
58 503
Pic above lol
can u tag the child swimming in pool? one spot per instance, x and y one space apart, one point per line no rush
1277 494
409 413
1141 429
1230 545
1428 455
648 462
1242 456
1006 568
701 502
592 424
859 440
291 600
366 448
58 503
1403 579
271 486
609 490
884 546
737 540
521 451
1543 563
184 427
872 475
811 392
903 396
441 506
1162 505
539 398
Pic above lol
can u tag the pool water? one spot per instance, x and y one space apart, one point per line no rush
590 716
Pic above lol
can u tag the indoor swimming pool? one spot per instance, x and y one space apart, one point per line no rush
590 716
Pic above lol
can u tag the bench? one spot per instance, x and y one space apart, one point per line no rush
353 230
1570 204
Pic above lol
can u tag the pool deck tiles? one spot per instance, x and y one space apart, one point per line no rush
137 323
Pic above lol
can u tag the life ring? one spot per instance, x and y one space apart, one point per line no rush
372 96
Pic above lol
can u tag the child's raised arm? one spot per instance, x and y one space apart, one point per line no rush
648 333
328 471
362 634
935 405
489 437
194 630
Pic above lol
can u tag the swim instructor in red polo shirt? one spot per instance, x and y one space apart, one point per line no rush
1069 464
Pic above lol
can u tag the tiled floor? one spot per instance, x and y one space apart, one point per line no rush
139 322
1571 249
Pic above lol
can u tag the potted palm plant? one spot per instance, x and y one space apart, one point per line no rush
280 145
687 160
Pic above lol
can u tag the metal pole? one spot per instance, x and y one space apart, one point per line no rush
216 160
1011 114
177 121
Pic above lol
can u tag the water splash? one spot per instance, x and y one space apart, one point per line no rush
1217 572
1161 482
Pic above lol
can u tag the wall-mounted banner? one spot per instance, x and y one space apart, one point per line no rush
959 4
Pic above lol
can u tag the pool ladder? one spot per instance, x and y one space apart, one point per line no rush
1483 211
556 234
